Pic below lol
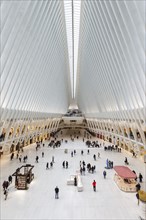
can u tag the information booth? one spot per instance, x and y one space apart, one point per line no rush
125 178
23 176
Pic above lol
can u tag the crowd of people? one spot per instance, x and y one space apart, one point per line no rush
83 166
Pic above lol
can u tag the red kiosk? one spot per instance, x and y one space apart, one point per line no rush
125 178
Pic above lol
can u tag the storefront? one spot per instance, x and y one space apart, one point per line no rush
23 176
125 179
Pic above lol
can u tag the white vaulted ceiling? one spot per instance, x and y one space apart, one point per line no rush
34 57
109 74
111 65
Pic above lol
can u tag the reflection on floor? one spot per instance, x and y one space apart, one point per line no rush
38 202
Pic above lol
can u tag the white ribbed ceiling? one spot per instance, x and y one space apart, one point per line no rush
35 58
111 65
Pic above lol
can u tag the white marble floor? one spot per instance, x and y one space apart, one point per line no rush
38 202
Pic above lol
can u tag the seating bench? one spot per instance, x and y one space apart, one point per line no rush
70 181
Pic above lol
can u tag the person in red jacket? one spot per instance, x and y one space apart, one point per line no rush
94 186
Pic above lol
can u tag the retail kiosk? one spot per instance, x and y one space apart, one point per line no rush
125 178
23 176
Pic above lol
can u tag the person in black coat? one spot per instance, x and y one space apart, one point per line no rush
75 181
140 177
56 192
126 161
10 179
66 164
63 164
47 166
138 187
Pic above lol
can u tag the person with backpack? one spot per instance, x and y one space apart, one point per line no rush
56 192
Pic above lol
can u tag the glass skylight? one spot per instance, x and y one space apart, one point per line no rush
72 18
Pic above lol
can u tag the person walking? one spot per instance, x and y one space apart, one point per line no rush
47 166
66 164
6 193
42 154
140 177
37 159
94 185
83 170
94 157
104 174
84 164
138 187
20 157
4 185
12 156
53 159
51 164
137 196
63 164
26 158
75 181
126 161
56 192
10 179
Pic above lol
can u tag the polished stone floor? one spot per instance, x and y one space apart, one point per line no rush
38 202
